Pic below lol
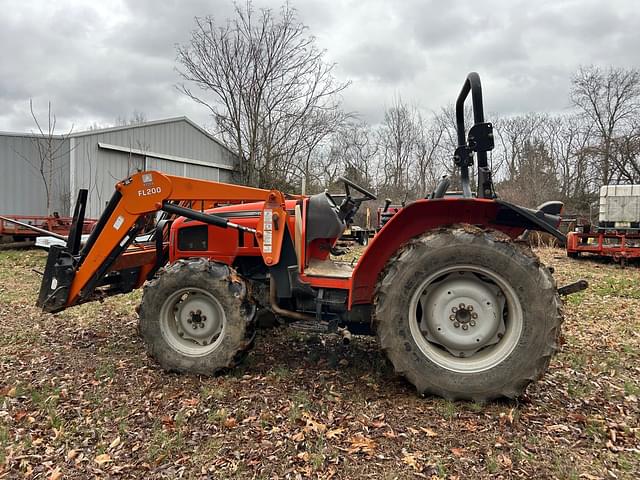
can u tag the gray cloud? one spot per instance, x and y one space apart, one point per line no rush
97 61
385 63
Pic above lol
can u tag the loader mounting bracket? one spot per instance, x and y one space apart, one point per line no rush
57 278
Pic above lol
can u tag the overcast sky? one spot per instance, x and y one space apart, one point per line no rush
97 61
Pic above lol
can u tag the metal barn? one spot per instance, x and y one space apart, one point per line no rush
98 159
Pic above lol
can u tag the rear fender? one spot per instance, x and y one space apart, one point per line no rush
423 215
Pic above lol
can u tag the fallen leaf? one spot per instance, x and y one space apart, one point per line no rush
191 402
411 460
334 432
429 432
578 417
19 415
458 452
505 461
114 443
313 425
102 459
56 474
360 443
557 428
167 421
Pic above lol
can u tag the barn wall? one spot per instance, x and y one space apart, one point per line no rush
83 164
99 169
22 190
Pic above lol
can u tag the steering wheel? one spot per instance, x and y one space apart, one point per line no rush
349 206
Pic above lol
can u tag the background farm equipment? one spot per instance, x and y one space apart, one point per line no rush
22 230
617 234
460 308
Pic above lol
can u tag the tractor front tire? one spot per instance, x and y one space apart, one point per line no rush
196 317
466 314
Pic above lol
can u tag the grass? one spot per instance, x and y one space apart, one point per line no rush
299 404
105 370
447 409
4 442
164 443
631 388
619 287
218 416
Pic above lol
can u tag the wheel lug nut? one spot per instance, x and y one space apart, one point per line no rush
470 308
461 306
472 323
474 315
454 309
465 326
456 324
452 317
195 326
204 319
198 312
189 320
192 313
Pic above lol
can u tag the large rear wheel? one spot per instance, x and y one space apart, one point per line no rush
467 314
195 317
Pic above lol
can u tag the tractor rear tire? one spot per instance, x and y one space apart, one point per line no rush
196 317
467 314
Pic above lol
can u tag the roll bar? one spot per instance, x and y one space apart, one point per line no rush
479 140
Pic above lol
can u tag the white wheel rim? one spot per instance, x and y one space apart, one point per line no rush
192 322
465 318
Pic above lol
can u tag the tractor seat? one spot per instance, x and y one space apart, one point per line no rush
323 220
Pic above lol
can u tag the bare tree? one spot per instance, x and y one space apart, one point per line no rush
136 118
567 138
50 148
445 121
515 135
397 137
535 180
610 99
428 168
626 151
267 86
357 150
299 168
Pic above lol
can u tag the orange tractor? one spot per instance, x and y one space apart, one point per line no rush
460 306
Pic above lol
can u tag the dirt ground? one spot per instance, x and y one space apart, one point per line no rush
79 398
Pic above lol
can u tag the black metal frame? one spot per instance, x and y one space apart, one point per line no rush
75 234
479 140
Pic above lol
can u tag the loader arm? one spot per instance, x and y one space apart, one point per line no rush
71 277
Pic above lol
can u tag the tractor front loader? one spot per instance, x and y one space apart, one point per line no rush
462 308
